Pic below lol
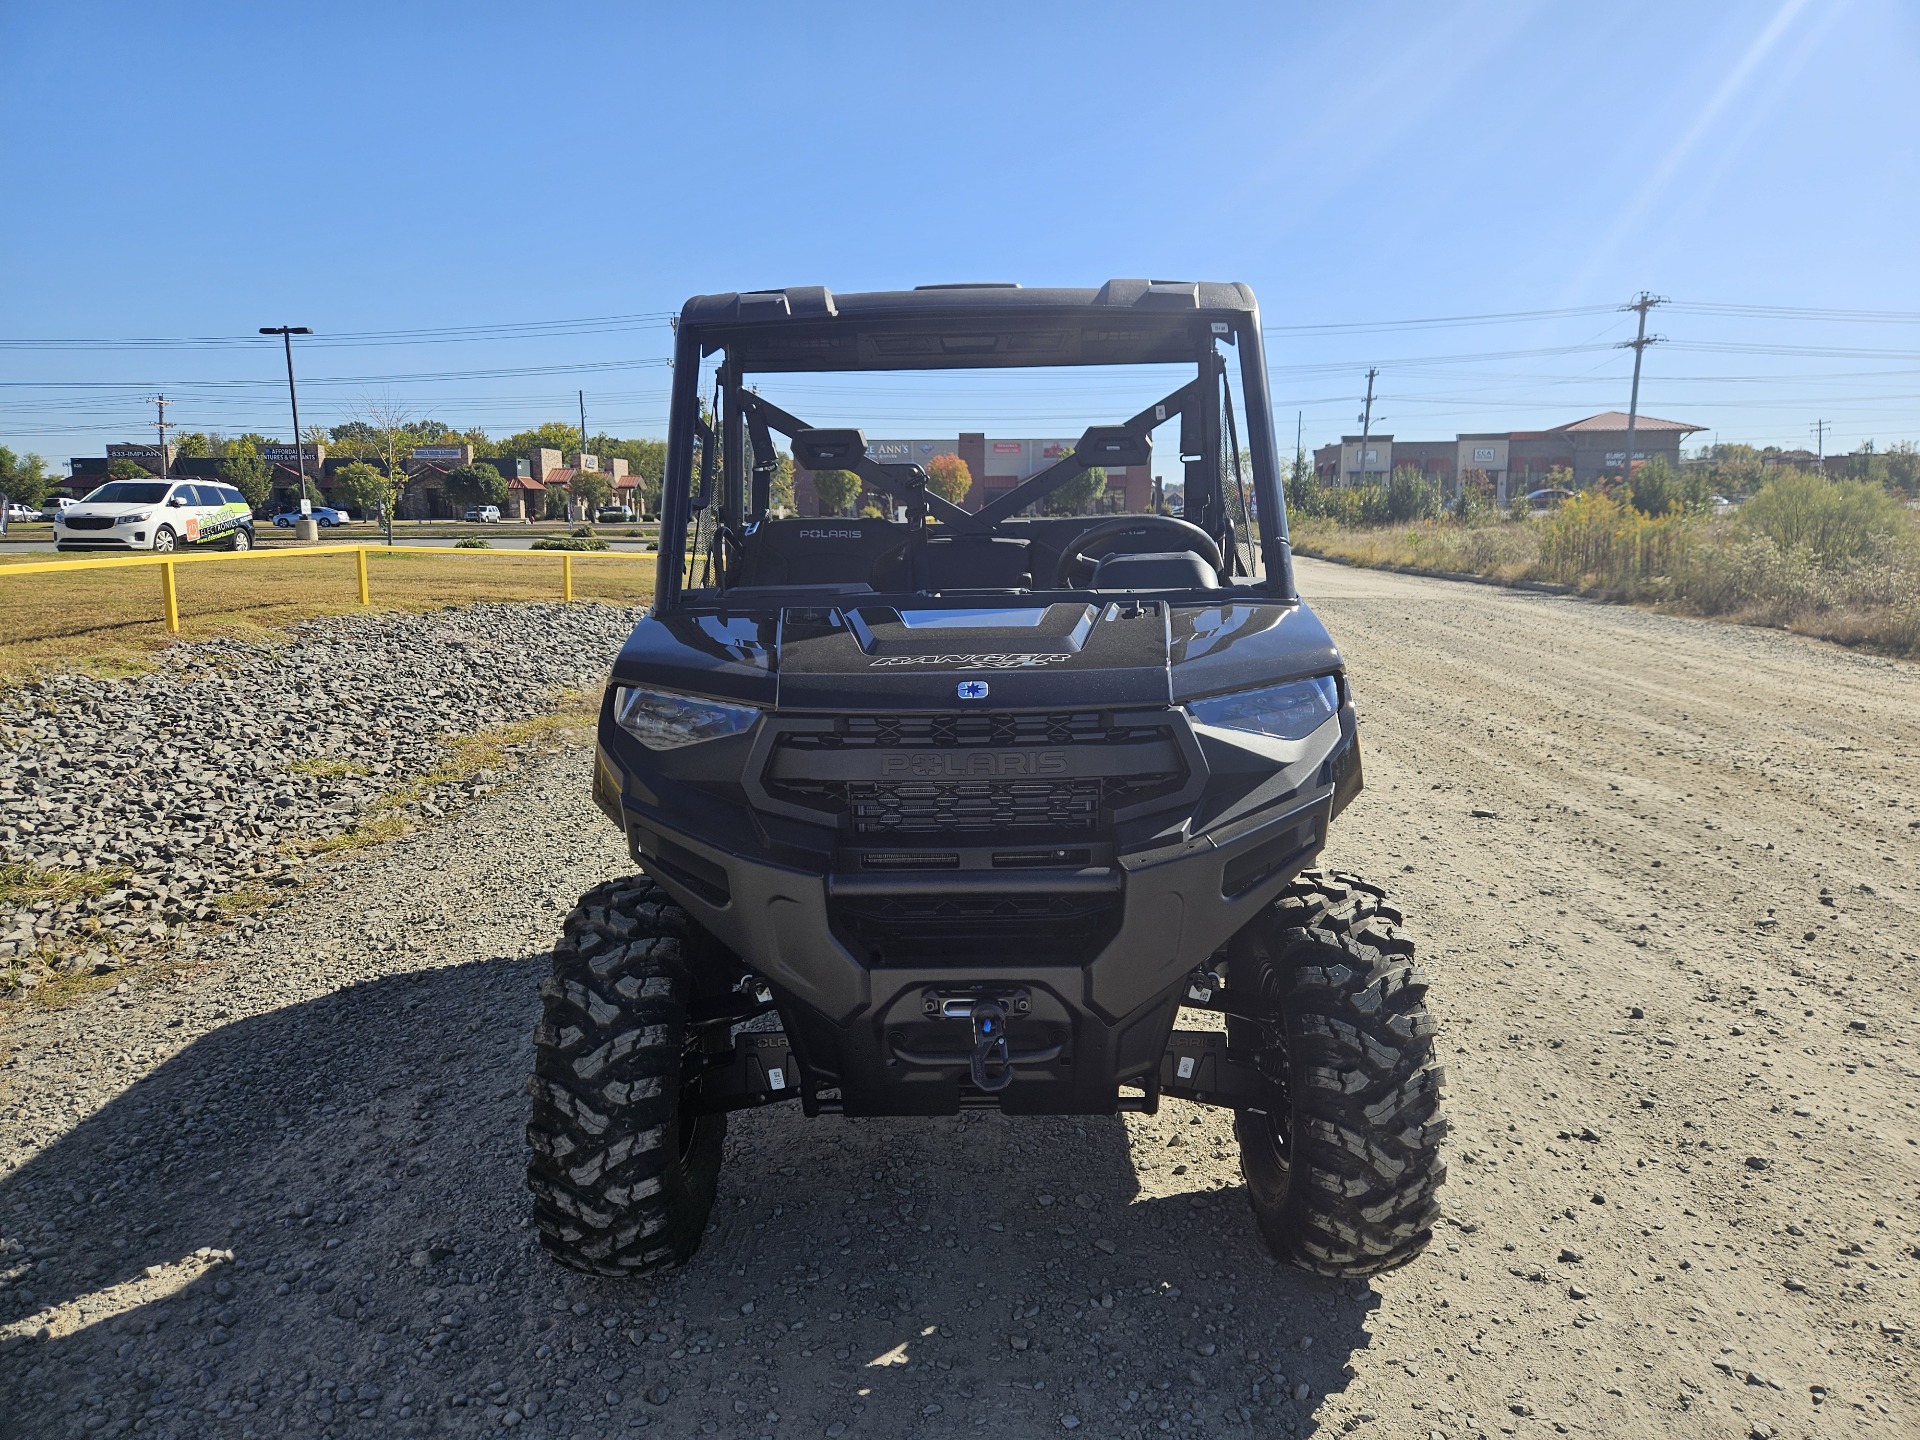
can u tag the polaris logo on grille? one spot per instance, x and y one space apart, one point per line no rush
971 690
974 662
976 764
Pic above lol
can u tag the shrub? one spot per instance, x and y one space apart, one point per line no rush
1475 504
1833 520
1411 496
473 542
581 532
571 542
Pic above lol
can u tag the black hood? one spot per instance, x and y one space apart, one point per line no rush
1013 656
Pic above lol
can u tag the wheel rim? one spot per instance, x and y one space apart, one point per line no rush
163 542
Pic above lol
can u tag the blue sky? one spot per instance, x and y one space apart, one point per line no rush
197 170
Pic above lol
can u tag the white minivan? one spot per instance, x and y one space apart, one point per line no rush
158 515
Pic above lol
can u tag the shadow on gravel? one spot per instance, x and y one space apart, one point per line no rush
360 1155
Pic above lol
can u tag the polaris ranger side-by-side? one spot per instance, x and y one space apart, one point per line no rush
977 792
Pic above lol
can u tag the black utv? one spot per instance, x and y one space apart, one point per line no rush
960 802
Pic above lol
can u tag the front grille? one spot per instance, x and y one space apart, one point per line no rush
931 807
1013 802
912 732
977 929
89 522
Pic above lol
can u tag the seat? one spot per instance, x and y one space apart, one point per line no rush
814 551
1155 570
956 562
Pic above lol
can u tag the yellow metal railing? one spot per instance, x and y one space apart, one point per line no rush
170 597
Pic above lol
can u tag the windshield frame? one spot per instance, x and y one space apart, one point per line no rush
1205 334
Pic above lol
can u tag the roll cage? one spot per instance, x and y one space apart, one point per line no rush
722 457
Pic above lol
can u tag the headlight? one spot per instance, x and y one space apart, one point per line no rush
663 720
135 519
1288 712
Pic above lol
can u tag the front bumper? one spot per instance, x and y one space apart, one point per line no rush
1094 930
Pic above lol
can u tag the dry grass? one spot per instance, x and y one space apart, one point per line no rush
110 621
1683 564
24 885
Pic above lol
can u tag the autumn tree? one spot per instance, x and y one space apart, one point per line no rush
949 478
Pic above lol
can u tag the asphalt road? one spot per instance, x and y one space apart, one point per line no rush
1663 874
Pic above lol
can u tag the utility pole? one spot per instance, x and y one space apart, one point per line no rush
1299 435
1644 302
286 333
1819 428
163 427
1366 424
583 424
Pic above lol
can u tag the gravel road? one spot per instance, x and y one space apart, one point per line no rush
1663 873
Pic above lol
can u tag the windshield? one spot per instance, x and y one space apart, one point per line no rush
957 482
130 492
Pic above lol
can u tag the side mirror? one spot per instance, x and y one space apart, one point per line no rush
829 449
1114 445
177 501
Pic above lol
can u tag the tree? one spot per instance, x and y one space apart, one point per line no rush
836 489
124 469
1080 495
361 486
594 487
242 468
554 435
949 478
475 484
781 497
22 481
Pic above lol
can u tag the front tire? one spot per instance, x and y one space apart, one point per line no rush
623 1174
1343 1169
163 541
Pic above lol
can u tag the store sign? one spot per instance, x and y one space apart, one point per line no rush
439 452
1619 457
1483 454
1006 447
890 452
287 454
135 452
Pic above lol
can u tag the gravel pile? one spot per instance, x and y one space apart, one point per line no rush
147 800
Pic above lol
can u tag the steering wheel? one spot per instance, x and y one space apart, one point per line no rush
1078 562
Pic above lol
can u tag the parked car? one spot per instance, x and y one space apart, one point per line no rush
52 508
158 515
17 511
1547 499
483 514
613 515
325 516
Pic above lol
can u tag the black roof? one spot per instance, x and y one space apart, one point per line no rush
809 327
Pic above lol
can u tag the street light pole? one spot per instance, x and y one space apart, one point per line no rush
286 333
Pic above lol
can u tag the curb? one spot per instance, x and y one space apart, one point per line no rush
1537 587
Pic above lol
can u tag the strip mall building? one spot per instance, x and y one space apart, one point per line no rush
1516 461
